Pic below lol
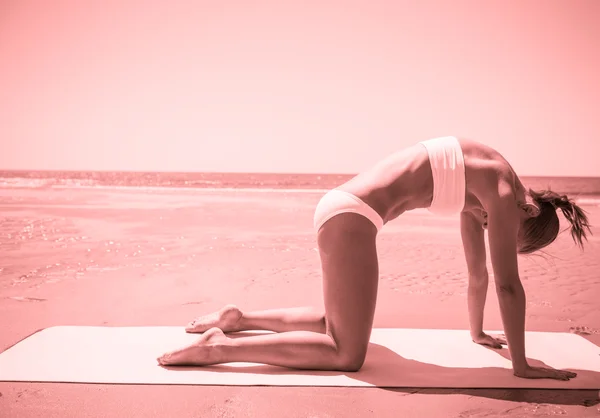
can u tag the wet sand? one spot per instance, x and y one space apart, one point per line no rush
129 258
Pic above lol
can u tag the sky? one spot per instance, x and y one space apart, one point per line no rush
295 86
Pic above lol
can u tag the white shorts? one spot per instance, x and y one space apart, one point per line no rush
337 201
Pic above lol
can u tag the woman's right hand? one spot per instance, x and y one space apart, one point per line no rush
544 373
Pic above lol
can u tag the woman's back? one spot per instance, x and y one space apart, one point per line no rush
405 180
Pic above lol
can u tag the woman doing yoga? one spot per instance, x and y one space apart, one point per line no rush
446 175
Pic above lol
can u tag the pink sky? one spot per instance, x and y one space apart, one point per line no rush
295 86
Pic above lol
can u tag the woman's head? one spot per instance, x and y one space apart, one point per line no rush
542 227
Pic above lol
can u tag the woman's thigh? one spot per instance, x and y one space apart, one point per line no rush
347 247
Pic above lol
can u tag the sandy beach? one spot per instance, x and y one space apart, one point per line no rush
161 257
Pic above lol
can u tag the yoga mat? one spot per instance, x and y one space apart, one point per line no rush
425 358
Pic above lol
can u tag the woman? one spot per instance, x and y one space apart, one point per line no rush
446 175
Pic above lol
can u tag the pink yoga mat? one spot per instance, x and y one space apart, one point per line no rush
426 358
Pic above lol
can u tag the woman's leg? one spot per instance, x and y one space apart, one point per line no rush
231 319
350 279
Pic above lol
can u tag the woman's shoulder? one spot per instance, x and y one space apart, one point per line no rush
488 173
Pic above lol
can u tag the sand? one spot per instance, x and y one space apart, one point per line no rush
132 257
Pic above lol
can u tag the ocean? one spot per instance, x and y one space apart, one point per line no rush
585 190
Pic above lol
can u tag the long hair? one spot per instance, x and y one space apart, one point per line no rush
542 230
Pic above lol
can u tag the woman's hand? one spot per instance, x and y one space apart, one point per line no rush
495 342
528 372
544 373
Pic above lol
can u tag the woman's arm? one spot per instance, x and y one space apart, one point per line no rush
503 227
473 239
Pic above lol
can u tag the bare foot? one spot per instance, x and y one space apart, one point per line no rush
203 352
226 319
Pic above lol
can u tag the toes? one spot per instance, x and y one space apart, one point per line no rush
176 356
194 327
163 360
171 358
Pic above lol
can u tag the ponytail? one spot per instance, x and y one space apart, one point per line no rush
576 216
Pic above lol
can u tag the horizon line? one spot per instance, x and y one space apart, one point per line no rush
21 170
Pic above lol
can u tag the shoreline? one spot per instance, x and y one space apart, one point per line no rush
584 200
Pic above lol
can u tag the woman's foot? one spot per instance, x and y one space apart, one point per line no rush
226 319
203 352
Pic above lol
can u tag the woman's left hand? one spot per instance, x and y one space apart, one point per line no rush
496 341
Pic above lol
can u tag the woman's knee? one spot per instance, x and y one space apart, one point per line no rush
351 362
348 356
351 356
